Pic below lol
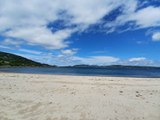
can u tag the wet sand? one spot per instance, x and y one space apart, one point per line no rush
60 97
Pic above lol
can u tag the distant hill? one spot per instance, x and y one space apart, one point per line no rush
8 59
112 66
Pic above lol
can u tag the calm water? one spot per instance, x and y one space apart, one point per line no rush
126 72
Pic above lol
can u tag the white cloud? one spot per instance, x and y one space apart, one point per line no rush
142 18
147 17
96 60
28 20
69 52
30 51
137 59
83 13
65 60
11 42
41 36
156 36
5 47
87 12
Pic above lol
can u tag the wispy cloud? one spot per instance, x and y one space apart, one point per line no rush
30 51
5 47
156 36
96 60
138 61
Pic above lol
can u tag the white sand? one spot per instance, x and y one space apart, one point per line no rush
57 97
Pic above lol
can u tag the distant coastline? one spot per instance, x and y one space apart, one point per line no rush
109 66
8 60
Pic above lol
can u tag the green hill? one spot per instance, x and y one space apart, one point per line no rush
8 59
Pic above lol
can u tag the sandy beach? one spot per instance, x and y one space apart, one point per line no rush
60 97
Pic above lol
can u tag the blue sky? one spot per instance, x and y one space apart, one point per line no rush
95 32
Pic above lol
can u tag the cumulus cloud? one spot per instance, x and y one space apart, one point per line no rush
41 36
146 17
28 20
156 36
141 18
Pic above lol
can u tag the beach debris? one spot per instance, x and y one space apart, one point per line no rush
137 91
121 91
50 102
138 95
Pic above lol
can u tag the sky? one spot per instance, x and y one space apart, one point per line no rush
94 32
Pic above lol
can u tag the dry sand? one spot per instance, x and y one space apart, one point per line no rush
58 97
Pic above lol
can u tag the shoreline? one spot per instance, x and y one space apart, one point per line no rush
56 74
65 97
